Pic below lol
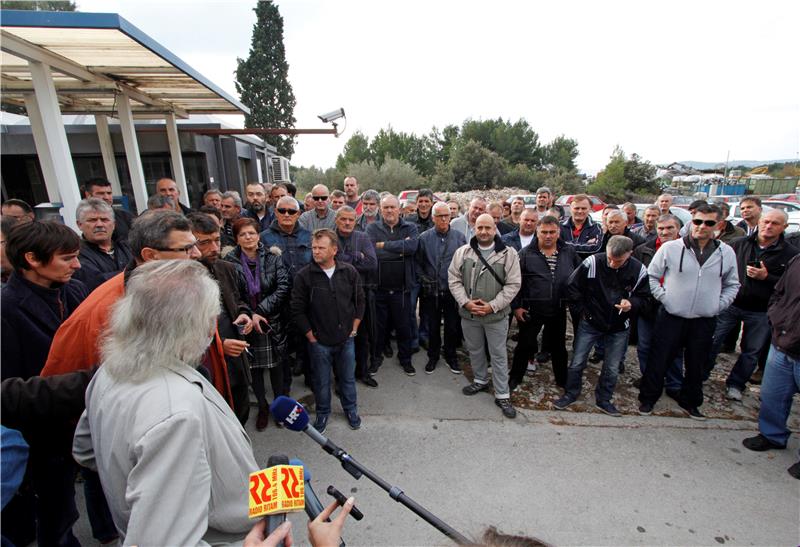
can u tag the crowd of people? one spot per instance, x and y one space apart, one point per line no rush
317 288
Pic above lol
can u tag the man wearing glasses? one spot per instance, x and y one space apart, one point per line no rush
695 278
159 235
321 216
294 241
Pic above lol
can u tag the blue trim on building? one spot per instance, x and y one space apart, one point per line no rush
66 19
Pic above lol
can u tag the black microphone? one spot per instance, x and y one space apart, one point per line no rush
313 504
273 521
293 416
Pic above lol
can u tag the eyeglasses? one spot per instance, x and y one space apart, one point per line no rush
287 211
699 222
320 198
186 249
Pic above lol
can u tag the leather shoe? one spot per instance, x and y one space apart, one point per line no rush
262 420
369 381
760 443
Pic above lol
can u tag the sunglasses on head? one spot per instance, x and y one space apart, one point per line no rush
320 198
699 222
287 211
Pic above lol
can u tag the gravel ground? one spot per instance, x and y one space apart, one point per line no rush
538 390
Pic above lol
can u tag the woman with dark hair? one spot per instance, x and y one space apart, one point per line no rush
267 289
39 296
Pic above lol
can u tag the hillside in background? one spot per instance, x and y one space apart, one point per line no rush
703 165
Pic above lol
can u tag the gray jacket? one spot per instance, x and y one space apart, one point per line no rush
469 279
156 441
310 221
691 291
461 224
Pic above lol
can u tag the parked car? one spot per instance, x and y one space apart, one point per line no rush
597 203
788 206
785 197
411 195
528 199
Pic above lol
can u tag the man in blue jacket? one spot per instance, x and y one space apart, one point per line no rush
356 249
436 249
395 245
295 244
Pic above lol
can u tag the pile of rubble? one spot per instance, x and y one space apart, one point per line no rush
495 194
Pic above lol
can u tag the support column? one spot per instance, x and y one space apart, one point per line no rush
55 150
132 152
107 149
42 150
176 158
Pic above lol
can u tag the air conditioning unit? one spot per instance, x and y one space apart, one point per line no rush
280 169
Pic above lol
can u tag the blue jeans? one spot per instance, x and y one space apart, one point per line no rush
323 358
615 344
674 377
756 335
781 382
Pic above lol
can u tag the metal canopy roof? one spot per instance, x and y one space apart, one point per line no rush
96 56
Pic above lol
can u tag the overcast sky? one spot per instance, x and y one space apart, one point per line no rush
670 81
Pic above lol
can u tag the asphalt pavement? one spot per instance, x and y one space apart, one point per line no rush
567 478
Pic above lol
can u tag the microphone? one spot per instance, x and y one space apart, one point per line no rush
313 505
293 416
275 520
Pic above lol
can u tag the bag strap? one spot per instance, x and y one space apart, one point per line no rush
491 270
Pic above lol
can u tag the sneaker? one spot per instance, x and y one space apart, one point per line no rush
693 412
353 419
387 352
321 422
531 366
455 368
474 388
369 381
645 409
409 369
542 357
760 443
795 470
564 402
512 385
734 393
430 367
508 409
609 409
373 368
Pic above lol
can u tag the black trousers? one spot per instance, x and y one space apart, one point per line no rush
391 307
437 308
674 335
555 329
365 337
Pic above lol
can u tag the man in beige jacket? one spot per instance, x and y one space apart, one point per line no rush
484 277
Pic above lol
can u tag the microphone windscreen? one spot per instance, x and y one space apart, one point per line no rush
306 472
277 459
289 412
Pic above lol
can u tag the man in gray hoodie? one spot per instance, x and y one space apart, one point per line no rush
700 280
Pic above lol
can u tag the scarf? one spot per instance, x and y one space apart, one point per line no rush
253 278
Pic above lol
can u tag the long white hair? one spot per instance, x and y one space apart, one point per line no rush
168 313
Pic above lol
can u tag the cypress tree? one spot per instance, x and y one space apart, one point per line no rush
262 79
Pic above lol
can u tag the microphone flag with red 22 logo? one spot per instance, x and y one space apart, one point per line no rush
276 489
